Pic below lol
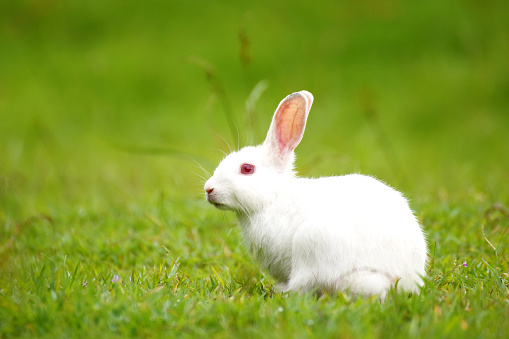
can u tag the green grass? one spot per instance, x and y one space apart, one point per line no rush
101 106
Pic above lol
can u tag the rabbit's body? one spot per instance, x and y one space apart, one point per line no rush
333 233
307 242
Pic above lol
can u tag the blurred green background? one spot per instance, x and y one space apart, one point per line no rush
102 102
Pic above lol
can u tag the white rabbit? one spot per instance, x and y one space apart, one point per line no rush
347 232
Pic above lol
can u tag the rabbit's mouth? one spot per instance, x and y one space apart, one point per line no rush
212 199
219 206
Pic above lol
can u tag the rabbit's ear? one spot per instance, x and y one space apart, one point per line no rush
288 125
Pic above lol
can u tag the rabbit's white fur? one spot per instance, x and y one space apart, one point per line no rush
347 232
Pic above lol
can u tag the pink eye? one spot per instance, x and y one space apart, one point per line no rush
247 169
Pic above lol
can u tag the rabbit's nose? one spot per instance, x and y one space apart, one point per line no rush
209 190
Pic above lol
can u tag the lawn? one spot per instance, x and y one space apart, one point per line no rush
112 113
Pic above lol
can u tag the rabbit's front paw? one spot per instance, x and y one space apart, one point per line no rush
281 288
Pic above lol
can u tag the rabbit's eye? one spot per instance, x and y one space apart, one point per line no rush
247 169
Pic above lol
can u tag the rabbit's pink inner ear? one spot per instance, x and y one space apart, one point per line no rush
290 121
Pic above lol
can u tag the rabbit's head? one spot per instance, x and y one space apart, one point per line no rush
247 179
